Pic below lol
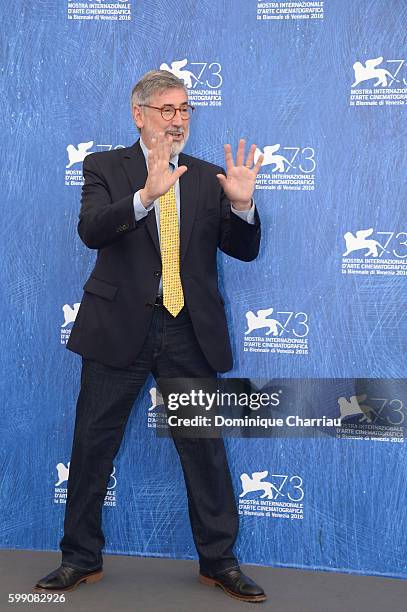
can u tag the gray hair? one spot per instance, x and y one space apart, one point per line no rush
152 82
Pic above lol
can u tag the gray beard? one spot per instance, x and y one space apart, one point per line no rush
178 146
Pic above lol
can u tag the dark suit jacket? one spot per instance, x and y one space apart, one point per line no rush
117 306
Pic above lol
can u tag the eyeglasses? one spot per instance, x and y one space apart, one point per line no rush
168 111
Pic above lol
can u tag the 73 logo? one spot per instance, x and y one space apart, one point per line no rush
287 322
284 159
202 74
277 485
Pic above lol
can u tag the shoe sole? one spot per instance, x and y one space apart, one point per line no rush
249 598
89 579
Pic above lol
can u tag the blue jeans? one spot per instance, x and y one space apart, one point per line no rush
104 404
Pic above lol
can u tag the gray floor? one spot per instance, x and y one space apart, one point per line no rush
148 585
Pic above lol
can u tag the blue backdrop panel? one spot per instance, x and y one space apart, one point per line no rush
321 88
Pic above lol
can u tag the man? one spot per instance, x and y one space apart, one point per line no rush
151 304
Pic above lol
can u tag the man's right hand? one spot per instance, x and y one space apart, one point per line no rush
160 178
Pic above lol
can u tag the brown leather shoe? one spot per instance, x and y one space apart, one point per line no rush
66 578
237 585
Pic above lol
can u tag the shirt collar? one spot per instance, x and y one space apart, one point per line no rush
173 159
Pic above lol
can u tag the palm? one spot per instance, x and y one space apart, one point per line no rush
240 179
240 183
160 178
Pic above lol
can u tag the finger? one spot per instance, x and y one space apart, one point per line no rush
178 172
258 164
240 152
153 144
160 154
164 147
151 158
222 179
228 157
168 147
156 143
250 157
168 139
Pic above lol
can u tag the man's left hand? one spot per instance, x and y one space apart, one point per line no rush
240 181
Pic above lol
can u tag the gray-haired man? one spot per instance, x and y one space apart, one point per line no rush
156 217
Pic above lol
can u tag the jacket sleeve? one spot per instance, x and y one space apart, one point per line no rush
102 221
238 238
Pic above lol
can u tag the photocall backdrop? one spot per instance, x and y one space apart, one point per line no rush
321 88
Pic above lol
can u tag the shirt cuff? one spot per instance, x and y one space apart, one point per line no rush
246 215
140 211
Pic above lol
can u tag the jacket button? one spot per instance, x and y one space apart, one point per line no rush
157 273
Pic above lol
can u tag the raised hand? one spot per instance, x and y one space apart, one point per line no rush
240 181
160 178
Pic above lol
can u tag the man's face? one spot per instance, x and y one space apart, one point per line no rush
150 121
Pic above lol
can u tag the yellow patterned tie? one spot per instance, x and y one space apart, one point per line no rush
173 296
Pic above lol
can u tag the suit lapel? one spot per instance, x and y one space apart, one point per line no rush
135 166
189 189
